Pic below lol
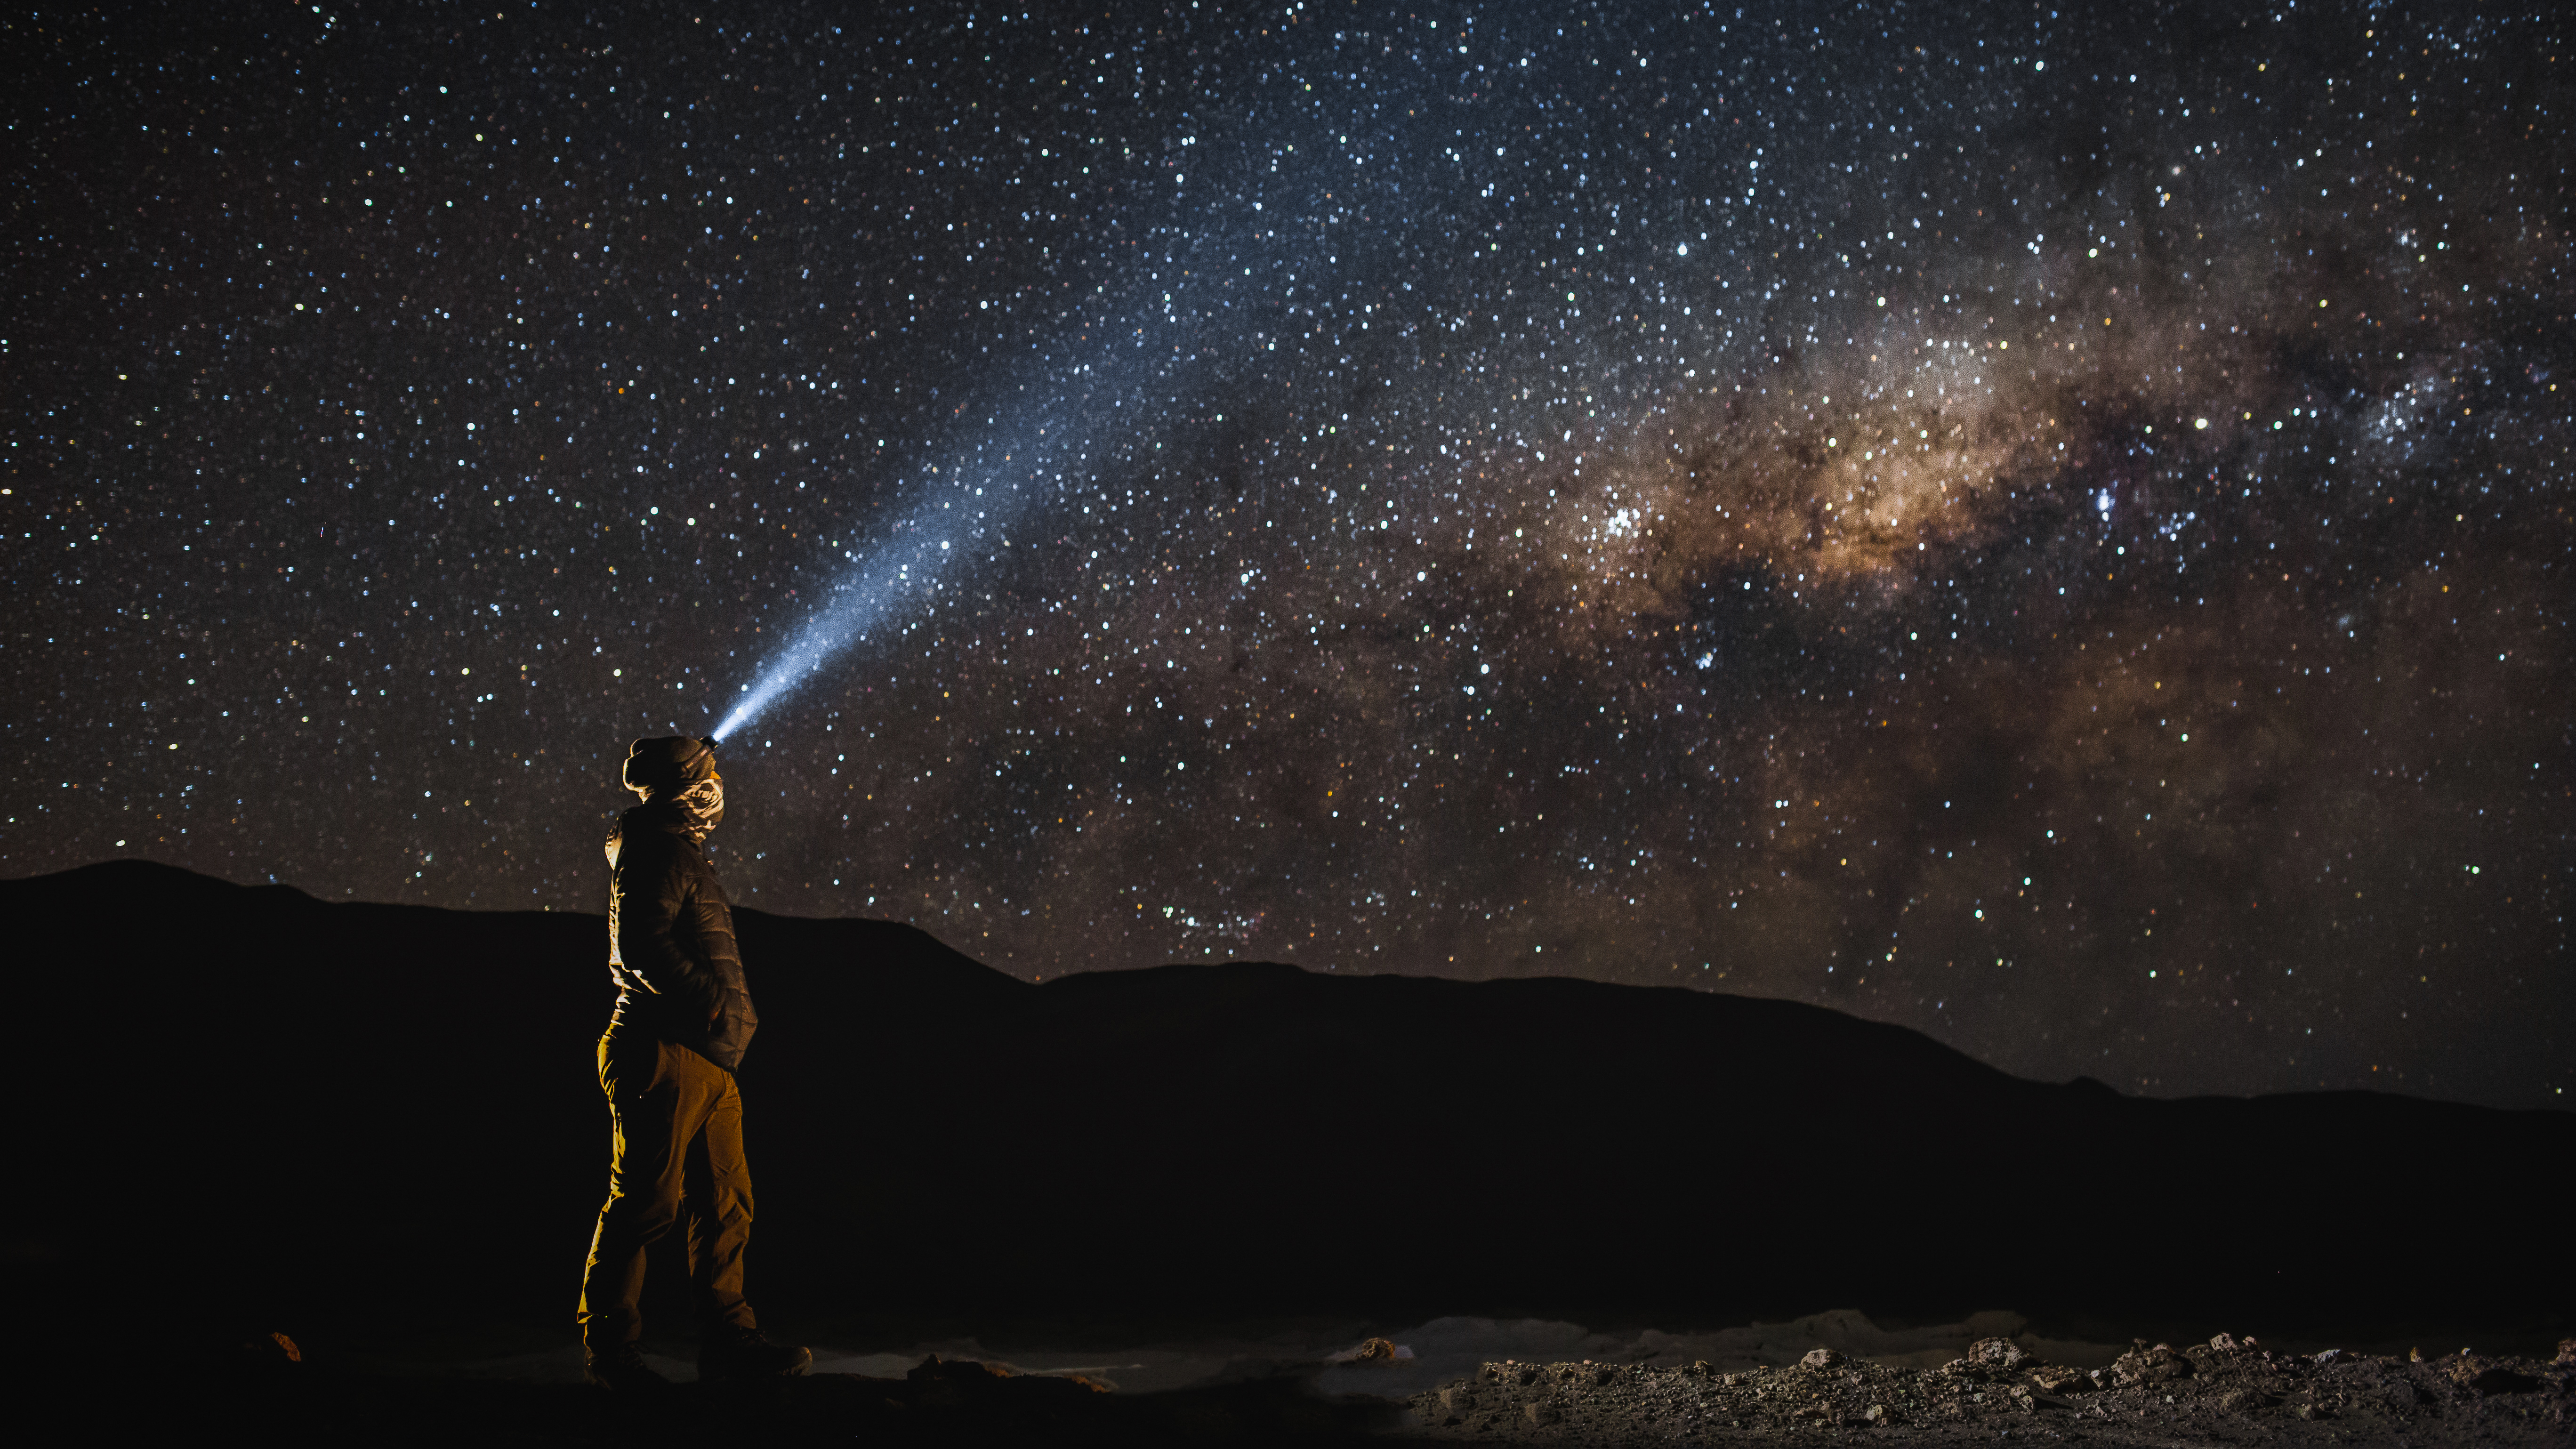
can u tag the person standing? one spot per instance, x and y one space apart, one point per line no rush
682 1020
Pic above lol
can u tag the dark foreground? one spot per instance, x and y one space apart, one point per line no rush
2221 1394
382 1120
2218 1393
378 1126
937 1404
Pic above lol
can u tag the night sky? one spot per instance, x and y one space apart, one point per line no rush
2046 527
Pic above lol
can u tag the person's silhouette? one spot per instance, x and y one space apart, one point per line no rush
682 1020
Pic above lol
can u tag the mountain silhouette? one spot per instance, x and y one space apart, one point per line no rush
386 1117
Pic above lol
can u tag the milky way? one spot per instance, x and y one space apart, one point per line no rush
2045 528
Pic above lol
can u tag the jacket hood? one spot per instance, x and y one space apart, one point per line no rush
668 765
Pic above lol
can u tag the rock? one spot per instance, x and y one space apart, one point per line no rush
1996 1353
2143 1365
2494 1379
2204 1396
2224 1343
2566 1351
271 1349
1376 1350
1820 1358
938 1383
2059 1379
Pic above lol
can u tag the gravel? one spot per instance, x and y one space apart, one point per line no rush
2225 1392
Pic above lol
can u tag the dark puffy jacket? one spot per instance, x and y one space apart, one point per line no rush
670 941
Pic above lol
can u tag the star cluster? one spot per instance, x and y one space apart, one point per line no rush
2045 526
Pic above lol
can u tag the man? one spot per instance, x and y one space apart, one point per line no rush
682 1020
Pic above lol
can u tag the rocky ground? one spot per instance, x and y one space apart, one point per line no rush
2225 1392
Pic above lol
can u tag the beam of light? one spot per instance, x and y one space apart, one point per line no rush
904 569
970 511
966 516
1026 458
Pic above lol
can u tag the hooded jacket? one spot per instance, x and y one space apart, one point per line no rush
671 946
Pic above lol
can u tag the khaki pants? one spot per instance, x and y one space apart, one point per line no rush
676 1144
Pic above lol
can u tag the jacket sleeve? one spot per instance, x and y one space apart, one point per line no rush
657 936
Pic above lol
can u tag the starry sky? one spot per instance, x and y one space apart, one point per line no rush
2048 526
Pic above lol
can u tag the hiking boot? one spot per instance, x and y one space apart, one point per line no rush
743 1353
622 1370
